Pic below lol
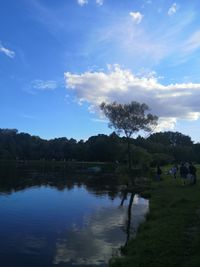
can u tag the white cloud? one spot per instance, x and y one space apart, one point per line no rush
44 85
99 2
85 2
26 116
169 102
82 2
193 43
100 120
7 51
173 9
137 46
166 124
136 17
120 37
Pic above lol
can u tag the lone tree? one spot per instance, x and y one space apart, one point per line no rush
129 118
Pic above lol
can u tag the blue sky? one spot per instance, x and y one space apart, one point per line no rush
59 59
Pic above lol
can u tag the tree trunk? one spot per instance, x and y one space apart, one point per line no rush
129 153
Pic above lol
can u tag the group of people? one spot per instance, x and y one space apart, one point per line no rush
186 170
188 173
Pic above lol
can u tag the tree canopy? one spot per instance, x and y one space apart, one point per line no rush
158 148
129 118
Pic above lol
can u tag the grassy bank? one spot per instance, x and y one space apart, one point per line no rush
171 234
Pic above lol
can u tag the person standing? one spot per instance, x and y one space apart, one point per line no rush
158 173
174 171
192 171
183 172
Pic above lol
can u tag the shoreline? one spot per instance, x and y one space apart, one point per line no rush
170 236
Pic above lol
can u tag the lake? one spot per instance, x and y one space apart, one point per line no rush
49 217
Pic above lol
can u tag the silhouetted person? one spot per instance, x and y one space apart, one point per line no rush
174 170
192 171
183 172
158 173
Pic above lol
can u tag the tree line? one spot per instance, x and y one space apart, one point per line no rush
158 148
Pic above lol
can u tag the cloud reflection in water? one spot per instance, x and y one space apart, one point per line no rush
104 232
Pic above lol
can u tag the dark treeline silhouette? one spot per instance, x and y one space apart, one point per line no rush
162 148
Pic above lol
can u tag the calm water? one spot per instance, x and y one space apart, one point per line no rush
51 218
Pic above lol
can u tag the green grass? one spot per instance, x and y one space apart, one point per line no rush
171 234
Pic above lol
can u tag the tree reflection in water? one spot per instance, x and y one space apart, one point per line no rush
76 231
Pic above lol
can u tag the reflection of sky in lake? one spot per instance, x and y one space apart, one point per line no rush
44 226
101 236
139 210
